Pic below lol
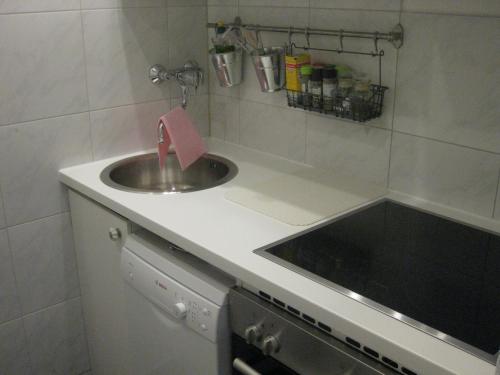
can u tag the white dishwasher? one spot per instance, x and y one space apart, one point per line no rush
177 310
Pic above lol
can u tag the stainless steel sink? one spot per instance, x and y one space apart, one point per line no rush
142 174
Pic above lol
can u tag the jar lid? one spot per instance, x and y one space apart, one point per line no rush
343 71
345 83
329 73
362 86
306 70
317 74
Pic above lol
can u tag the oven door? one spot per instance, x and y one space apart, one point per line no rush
267 340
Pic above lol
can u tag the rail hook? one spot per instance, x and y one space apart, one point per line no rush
290 45
306 33
341 40
375 42
258 36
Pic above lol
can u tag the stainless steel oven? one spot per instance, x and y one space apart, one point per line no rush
268 340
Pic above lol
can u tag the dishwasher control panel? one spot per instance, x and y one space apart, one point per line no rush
180 302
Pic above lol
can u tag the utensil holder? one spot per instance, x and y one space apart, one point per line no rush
228 67
269 66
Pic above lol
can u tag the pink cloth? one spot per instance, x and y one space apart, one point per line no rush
182 134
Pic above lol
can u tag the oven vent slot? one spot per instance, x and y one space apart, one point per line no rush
370 351
390 362
353 342
325 328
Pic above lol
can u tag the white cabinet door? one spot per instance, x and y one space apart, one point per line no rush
102 286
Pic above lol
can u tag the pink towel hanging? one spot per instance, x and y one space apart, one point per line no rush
177 128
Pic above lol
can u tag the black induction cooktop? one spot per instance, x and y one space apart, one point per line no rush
439 274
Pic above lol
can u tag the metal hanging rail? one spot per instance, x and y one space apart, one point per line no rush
395 36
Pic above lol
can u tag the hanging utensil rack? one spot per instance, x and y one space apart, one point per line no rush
372 108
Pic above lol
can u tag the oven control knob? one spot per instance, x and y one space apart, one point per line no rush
253 334
180 310
270 345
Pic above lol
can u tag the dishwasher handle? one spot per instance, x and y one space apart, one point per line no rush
244 368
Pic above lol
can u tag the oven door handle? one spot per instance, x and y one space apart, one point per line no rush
244 368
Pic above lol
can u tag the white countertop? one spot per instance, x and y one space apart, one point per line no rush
226 234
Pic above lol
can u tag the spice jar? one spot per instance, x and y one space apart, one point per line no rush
316 87
343 104
305 78
329 87
360 98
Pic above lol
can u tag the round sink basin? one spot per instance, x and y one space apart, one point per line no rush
142 173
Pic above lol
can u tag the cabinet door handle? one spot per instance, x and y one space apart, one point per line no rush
114 234
244 368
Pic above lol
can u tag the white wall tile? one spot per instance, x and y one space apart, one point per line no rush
352 149
279 131
186 3
231 3
448 80
224 118
9 302
468 7
452 175
44 262
364 21
188 30
56 339
99 4
122 130
274 3
2 215
497 206
14 359
388 5
42 72
16 6
121 45
31 155
197 109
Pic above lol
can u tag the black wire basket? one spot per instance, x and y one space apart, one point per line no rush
355 109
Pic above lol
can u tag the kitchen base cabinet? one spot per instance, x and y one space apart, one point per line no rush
99 236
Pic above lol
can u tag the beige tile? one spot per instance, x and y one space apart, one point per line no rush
99 4
387 5
61 327
276 130
9 306
42 72
451 175
14 356
466 7
44 262
448 80
224 118
351 149
121 45
31 155
127 129
16 6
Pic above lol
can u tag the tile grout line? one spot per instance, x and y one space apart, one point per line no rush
84 45
389 161
496 201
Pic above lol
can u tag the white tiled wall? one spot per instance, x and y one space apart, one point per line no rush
73 88
439 135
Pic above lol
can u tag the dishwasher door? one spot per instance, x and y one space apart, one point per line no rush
167 334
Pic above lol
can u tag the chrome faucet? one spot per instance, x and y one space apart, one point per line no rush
190 75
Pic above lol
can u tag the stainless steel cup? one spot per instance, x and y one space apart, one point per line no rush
269 66
228 67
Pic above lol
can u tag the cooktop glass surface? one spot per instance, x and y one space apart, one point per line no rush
432 270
